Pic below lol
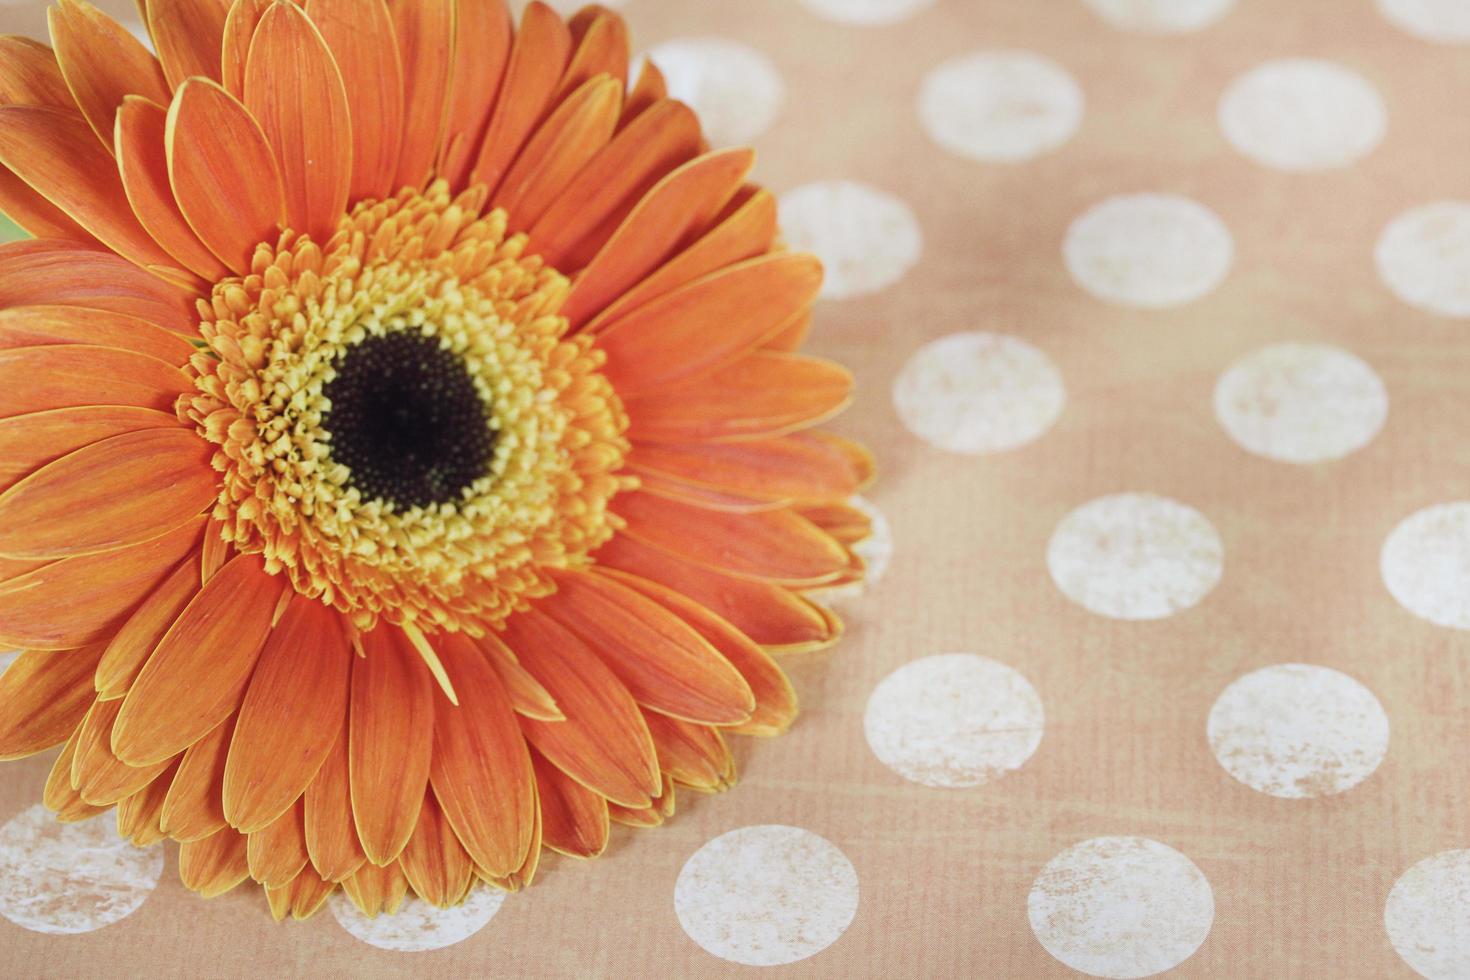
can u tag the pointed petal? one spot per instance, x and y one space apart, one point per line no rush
682 202
778 546
695 329
77 601
292 714
603 744
425 32
481 770
43 698
193 809
601 48
240 24
100 776
483 31
37 379
57 153
527 696
216 864
29 75
664 664
197 675
331 836
302 898
769 614
38 216
526 873
587 213
377 891
650 816
130 648
391 741
693 755
60 796
649 90
140 816
277 852
28 442
537 59
34 272
141 145
112 494
435 863
102 63
38 326
188 36
223 172
795 467
293 89
573 818
361 37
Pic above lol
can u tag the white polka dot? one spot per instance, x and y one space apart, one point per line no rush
1445 21
876 551
1148 250
766 895
1000 106
873 13
1424 257
1121 907
976 393
1427 916
1426 564
734 88
71 878
954 720
1303 114
1135 556
1297 731
867 239
1301 403
417 926
1161 16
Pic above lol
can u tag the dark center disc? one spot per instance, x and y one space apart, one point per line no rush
407 421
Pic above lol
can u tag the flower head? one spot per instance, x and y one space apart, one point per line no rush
405 460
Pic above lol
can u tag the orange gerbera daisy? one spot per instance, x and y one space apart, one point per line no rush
404 461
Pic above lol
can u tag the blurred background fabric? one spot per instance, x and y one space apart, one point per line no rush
1160 315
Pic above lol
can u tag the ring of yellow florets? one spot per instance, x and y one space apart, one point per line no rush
432 266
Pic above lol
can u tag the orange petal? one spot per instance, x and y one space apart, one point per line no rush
302 898
37 379
844 522
56 152
775 698
664 664
649 816
293 89
666 487
223 172
573 818
482 35
216 864
647 91
240 24
198 673
481 771
277 852
292 714
761 395
527 696
60 796
38 216
29 75
769 614
43 698
685 200
141 146
98 775
434 861
130 648
188 36
587 213
140 816
778 545
791 337
118 492
82 600
193 810
102 63
377 891
711 321
28 442
601 48
694 755
391 741
331 837
216 551
747 230
526 873
796 467
33 272
537 59
573 133
37 326
603 744
425 32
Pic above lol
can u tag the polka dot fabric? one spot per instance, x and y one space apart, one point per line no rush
1158 311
